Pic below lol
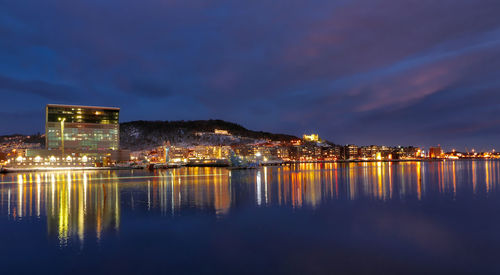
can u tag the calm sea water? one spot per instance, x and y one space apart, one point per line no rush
308 218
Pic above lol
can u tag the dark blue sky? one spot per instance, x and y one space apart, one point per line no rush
388 72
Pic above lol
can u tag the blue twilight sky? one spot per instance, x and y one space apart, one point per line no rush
391 72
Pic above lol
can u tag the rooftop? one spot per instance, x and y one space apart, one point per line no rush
82 106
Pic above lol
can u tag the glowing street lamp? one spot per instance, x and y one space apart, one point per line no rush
62 120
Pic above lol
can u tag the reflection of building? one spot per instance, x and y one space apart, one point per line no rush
74 211
74 204
82 127
83 205
204 190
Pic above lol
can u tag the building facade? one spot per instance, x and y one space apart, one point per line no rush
435 152
82 127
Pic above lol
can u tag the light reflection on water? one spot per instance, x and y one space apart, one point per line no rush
79 205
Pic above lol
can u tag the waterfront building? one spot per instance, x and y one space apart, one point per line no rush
265 151
435 152
82 127
351 151
369 152
26 158
293 152
283 153
178 154
408 152
330 153
76 136
208 152
243 150
309 152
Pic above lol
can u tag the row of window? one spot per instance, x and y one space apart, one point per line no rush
82 115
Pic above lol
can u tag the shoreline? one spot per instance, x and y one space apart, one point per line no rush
54 169
4 170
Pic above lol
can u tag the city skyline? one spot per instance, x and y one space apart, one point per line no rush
360 72
304 135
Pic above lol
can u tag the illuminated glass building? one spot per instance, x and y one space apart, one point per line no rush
83 128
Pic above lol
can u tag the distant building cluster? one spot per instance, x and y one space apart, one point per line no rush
11 143
308 149
87 136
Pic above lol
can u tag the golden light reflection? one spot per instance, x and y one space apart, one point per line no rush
62 199
419 180
454 173
474 177
79 206
487 170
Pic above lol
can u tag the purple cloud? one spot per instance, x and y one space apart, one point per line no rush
355 71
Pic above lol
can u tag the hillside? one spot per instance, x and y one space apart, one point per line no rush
138 135
31 139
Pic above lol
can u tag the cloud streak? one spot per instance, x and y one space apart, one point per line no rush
355 71
50 91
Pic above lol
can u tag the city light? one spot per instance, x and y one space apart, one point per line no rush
75 139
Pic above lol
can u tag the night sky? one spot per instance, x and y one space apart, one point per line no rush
390 72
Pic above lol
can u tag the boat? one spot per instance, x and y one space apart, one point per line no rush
139 166
238 163
241 167
272 162
165 165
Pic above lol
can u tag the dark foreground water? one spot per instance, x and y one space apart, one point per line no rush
312 218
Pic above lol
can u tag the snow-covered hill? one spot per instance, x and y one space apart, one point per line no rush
138 135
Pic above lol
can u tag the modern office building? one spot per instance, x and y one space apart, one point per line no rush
71 127
76 136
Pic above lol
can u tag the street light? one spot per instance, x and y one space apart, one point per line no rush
62 120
